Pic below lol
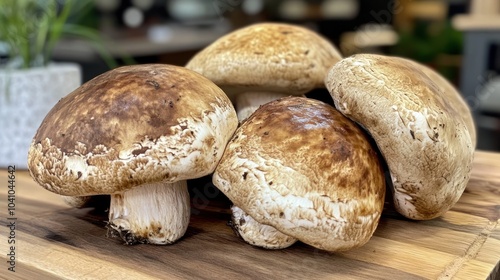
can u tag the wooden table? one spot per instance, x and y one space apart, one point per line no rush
56 242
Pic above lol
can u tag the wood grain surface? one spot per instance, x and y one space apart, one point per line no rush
54 241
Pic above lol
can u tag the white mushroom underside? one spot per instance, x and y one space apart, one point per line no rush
258 234
314 218
151 213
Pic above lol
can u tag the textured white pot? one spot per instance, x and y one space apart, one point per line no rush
26 96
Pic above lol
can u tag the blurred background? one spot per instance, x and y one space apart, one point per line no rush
458 38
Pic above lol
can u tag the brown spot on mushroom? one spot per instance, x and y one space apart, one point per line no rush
139 151
156 121
209 141
342 151
154 84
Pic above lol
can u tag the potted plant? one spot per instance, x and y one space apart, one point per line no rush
30 82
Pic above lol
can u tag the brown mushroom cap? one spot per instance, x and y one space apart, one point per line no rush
269 57
300 166
131 126
425 141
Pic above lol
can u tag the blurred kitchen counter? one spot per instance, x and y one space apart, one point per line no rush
162 43
149 41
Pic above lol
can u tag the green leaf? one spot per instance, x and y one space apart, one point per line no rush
32 28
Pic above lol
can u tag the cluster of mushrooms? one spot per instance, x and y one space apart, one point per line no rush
295 168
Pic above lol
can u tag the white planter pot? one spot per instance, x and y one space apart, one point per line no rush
26 96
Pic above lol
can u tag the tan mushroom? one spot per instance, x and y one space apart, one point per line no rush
136 133
301 167
266 61
418 128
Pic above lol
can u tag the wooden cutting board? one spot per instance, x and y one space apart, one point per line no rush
54 241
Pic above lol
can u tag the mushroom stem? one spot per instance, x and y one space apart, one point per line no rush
151 213
248 102
257 234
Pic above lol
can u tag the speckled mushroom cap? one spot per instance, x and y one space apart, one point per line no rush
425 141
271 57
451 95
130 126
300 166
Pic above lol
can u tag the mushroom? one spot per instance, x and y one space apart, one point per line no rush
136 133
299 166
418 128
263 62
257 234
